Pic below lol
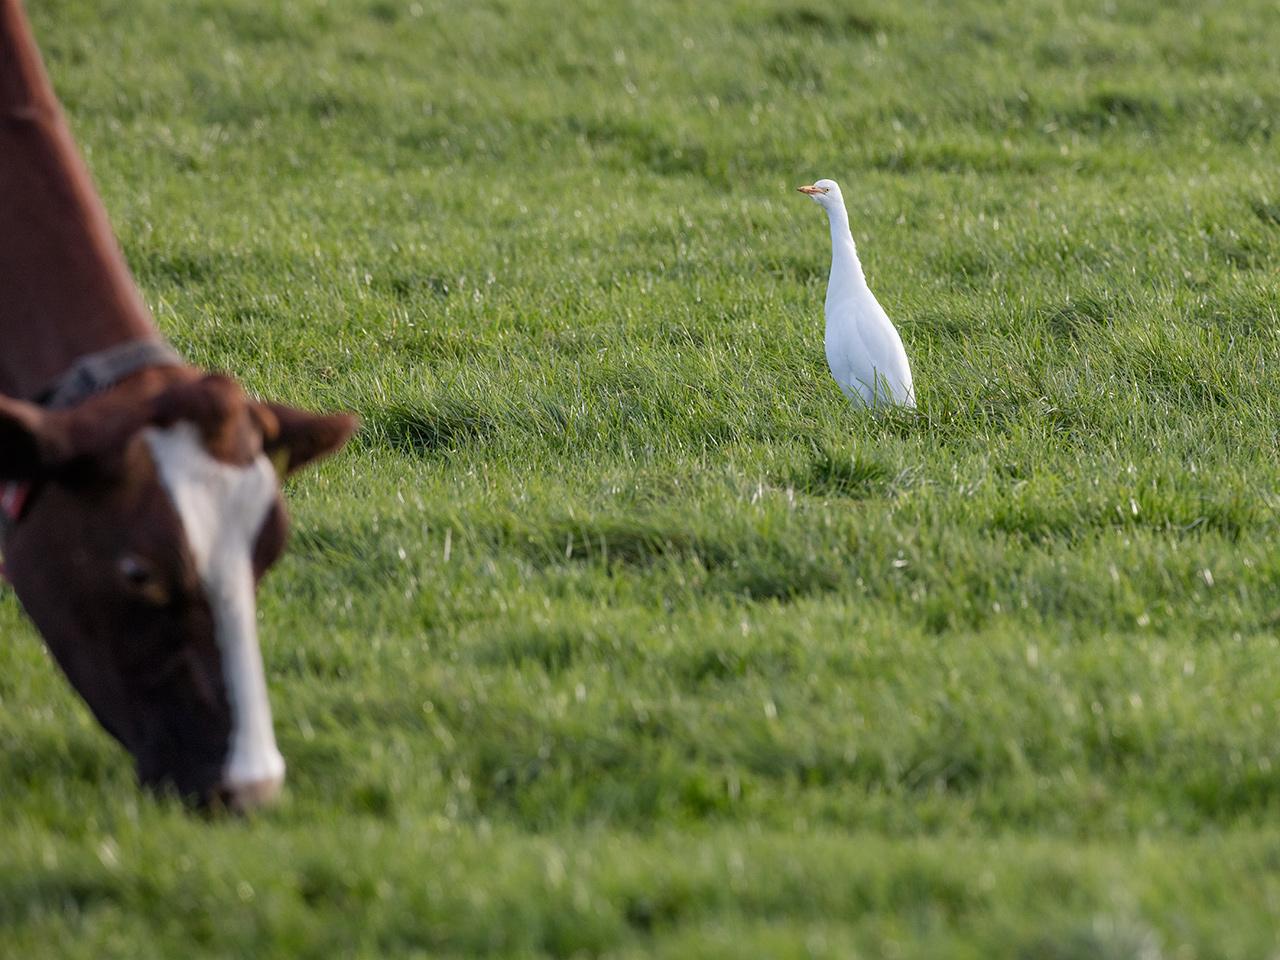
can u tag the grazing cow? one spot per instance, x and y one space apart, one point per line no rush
140 498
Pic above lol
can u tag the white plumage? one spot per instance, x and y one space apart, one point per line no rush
864 351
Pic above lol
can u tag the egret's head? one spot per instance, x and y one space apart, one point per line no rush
826 193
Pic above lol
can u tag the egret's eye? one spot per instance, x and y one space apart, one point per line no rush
141 579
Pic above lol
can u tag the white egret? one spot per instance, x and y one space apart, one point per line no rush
864 351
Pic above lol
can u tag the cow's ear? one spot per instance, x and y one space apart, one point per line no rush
32 440
292 438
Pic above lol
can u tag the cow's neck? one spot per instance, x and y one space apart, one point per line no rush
66 288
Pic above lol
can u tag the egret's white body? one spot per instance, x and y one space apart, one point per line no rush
864 351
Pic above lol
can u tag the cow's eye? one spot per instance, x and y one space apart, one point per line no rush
141 580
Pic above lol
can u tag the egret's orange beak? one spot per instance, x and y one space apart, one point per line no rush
812 190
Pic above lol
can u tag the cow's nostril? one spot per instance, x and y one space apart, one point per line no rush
243 797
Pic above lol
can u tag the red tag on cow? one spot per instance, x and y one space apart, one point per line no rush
13 497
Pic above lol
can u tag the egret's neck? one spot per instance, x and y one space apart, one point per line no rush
845 266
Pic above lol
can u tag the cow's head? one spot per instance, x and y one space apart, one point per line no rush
150 520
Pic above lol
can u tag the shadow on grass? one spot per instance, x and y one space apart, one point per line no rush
824 21
447 424
833 473
739 563
1077 315
61 890
627 541
409 285
1266 211
641 144
181 268
1111 109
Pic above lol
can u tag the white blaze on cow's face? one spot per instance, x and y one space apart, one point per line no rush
222 508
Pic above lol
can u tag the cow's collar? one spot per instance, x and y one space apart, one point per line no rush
91 374
96 372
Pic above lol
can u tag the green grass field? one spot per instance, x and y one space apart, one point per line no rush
617 632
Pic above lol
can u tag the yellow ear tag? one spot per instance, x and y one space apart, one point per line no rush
280 460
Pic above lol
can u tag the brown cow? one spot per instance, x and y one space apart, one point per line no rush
141 497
